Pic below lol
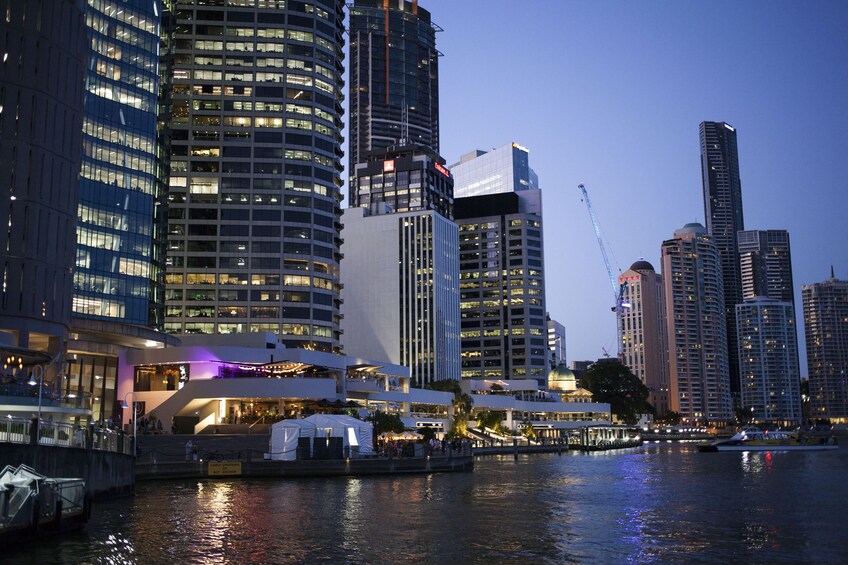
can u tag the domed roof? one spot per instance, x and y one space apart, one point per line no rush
641 265
691 228
562 373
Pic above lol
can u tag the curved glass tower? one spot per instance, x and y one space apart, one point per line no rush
119 256
253 229
42 68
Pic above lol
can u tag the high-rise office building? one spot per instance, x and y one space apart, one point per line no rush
765 264
394 78
556 343
41 116
119 294
722 190
400 299
502 266
768 360
643 324
699 380
502 286
826 331
401 190
254 216
505 169
403 179
120 251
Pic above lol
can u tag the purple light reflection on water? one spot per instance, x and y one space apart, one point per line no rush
662 503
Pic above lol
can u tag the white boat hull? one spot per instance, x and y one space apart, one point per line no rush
774 447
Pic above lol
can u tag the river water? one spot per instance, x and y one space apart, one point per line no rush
661 503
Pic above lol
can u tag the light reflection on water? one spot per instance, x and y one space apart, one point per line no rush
662 503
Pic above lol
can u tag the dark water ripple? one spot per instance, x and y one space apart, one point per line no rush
656 504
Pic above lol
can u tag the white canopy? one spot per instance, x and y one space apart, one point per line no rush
286 433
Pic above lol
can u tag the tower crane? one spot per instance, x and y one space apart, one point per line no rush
618 291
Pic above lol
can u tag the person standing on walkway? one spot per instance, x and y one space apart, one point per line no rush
189 450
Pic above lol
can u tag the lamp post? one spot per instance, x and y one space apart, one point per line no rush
39 370
125 405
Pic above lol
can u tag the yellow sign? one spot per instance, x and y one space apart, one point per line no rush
221 468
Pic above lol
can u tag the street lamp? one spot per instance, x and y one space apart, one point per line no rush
39 370
124 405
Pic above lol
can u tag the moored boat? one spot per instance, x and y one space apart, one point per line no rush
757 440
33 505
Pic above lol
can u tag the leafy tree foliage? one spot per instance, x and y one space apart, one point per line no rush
489 418
670 418
612 382
462 403
385 423
428 433
527 430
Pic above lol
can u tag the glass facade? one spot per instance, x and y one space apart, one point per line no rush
722 189
394 78
504 332
253 221
405 179
44 49
118 273
94 376
505 169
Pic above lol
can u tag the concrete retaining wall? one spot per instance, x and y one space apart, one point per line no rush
105 473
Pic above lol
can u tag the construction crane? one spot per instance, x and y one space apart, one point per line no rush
618 291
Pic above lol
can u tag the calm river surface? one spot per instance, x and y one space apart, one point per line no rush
661 503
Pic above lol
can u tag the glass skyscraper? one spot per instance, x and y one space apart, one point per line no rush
722 190
120 216
253 228
502 286
394 78
502 266
41 102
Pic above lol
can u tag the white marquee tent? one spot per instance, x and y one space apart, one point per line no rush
285 434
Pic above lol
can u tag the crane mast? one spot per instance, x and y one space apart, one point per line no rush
596 225
617 290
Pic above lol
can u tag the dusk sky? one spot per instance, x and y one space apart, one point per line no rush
611 94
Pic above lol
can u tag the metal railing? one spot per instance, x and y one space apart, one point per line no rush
49 395
60 434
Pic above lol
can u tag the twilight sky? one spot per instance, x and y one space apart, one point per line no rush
611 94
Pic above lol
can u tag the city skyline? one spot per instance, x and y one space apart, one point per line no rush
615 101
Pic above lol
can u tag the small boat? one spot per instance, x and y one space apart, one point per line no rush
33 505
757 440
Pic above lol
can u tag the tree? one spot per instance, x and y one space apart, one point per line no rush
669 418
384 422
489 419
612 382
427 433
462 404
527 429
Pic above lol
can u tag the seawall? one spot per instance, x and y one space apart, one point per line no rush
106 473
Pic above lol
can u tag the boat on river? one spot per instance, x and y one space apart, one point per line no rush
33 505
758 440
